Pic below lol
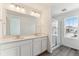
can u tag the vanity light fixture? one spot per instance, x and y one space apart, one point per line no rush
17 8
22 9
35 14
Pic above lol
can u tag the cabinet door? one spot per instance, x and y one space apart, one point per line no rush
36 46
44 44
26 49
10 52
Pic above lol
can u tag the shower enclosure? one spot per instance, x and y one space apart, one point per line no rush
54 34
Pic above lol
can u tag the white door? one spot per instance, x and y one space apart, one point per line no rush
44 44
14 51
36 46
26 49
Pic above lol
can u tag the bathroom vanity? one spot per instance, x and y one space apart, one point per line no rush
26 46
21 31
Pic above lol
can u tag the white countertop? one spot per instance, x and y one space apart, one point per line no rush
13 39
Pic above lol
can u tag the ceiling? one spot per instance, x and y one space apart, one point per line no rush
58 7
39 6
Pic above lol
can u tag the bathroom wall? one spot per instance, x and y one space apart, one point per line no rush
45 20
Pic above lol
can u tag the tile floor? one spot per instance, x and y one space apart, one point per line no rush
62 51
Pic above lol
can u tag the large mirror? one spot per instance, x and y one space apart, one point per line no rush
20 24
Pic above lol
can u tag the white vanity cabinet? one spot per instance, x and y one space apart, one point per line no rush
26 48
9 50
39 45
36 46
33 46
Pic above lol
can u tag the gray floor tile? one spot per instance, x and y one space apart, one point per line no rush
62 51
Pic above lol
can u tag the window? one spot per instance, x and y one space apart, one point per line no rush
71 26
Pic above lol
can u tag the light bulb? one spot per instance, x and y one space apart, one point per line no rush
37 14
18 8
12 6
32 13
22 9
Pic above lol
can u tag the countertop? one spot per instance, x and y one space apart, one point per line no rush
14 39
